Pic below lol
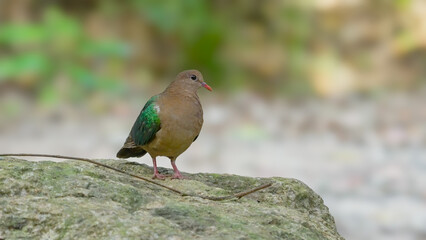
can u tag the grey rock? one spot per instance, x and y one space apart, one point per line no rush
75 200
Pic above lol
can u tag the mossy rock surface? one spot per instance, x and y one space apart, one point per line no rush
76 200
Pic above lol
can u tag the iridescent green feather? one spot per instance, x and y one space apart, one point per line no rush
147 124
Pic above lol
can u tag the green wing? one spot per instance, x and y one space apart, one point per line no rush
147 124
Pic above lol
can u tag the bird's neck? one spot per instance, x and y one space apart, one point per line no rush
177 89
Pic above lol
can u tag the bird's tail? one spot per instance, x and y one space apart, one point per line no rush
130 152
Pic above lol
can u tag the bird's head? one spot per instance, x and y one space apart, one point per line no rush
192 79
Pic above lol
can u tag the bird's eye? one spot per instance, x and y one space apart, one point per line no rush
193 77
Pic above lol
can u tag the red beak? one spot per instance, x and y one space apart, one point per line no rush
206 86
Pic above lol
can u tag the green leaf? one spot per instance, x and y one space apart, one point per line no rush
25 64
21 34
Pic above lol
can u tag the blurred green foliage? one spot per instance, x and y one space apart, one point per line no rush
197 31
74 50
58 47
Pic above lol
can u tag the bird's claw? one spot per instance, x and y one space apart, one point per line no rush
178 176
158 176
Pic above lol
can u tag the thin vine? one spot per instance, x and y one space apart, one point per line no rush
212 198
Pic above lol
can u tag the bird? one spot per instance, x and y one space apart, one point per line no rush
168 123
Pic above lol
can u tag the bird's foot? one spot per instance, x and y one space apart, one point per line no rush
158 176
178 176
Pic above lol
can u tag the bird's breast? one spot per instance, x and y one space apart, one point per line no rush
181 121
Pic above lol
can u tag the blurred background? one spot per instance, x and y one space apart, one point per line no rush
331 92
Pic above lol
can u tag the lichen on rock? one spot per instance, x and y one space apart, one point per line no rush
75 200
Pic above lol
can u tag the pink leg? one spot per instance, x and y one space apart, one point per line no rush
156 173
177 174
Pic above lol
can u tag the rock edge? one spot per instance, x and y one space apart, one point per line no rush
75 200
